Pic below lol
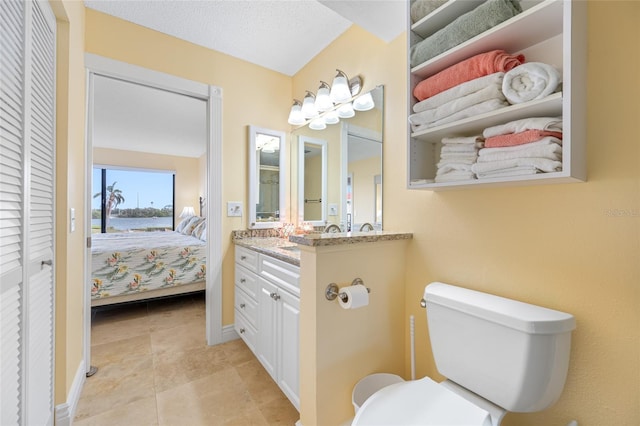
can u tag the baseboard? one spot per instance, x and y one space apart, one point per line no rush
66 411
229 333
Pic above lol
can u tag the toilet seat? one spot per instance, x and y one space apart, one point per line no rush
420 402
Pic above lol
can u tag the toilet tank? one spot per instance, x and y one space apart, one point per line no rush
514 354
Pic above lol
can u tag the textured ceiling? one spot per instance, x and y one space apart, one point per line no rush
282 35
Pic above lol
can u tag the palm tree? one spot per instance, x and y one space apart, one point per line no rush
114 198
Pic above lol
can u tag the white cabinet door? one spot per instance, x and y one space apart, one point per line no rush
267 314
288 359
27 146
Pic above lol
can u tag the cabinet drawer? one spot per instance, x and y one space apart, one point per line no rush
280 273
245 330
247 281
247 306
247 258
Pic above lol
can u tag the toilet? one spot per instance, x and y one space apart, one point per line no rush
498 355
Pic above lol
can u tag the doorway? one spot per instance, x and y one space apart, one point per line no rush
100 68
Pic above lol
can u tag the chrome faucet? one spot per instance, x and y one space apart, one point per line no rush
332 227
366 227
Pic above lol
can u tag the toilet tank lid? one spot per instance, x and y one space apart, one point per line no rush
521 316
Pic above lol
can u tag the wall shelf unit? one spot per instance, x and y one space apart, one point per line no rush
549 31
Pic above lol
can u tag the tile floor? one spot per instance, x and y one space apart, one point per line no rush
154 368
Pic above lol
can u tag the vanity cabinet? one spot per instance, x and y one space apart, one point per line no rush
549 31
267 315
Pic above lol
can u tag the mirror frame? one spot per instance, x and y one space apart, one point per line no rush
253 178
355 130
302 140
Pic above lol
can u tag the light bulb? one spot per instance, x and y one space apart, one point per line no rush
323 102
295 115
364 102
331 117
346 111
340 91
308 106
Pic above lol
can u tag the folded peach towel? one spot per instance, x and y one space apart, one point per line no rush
475 67
521 138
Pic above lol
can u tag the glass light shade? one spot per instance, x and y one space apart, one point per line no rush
340 91
308 106
323 101
331 117
364 102
346 111
187 212
295 115
318 124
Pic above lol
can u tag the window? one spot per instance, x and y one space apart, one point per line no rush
127 200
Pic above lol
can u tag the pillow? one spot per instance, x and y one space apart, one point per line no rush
193 222
183 224
200 231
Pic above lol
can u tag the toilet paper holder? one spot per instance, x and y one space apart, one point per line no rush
332 291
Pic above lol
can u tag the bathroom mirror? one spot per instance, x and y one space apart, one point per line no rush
312 190
266 177
353 178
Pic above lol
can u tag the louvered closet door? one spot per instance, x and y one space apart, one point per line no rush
27 82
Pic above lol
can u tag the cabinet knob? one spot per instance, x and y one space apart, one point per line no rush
242 305
242 280
243 257
242 331
275 296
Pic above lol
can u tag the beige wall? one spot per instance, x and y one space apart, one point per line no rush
269 91
70 101
188 173
572 247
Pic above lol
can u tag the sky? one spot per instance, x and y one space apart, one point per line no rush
139 188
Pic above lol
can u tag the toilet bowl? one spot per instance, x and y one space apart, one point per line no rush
369 385
498 355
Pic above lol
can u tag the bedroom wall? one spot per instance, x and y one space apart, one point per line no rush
70 175
188 174
269 91
572 247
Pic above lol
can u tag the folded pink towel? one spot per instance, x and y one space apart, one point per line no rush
521 138
475 67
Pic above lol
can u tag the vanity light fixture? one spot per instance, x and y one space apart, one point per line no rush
323 101
296 117
364 102
330 103
309 105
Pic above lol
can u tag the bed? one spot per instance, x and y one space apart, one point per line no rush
142 265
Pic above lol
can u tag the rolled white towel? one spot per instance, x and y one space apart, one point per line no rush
530 81
552 124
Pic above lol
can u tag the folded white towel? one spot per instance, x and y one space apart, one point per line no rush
547 140
463 140
511 172
455 176
530 81
444 168
553 124
471 87
469 158
477 109
552 151
542 164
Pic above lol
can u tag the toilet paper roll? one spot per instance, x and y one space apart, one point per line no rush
357 296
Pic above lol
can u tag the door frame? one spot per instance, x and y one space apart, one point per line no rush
98 65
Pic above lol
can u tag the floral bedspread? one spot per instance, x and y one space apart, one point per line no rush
126 263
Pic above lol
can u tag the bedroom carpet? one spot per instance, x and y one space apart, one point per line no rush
154 368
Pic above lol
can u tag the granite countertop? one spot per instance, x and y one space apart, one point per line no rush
339 238
279 248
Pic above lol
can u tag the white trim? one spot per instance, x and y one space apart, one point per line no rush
66 411
229 333
213 96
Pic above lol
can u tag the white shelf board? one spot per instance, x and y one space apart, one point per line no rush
530 27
